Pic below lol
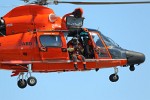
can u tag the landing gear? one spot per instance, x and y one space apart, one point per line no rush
28 79
114 77
132 68
22 83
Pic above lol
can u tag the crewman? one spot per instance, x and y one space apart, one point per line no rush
87 44
76 50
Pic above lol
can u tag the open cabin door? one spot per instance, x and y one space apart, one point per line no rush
52 46
100 48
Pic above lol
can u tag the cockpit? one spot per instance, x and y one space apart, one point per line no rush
107 47
115 51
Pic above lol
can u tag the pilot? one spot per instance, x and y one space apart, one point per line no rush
75 50
87 44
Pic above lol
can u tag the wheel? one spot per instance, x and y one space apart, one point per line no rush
32 81
113 78
22 83
132 68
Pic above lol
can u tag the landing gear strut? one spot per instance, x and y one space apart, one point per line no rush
114 77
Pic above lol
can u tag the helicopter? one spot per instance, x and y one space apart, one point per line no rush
34 39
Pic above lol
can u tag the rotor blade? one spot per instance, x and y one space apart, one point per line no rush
102 3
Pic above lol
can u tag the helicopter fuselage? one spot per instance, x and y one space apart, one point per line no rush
33 38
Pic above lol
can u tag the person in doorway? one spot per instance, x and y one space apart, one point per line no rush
76 50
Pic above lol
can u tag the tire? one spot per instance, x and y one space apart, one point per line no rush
32 81
132 68
22 83
113 78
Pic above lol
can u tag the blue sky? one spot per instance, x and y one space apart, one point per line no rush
128 25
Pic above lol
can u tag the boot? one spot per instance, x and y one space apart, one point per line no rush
84 65
76 66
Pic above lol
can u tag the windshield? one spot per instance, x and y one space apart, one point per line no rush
108 41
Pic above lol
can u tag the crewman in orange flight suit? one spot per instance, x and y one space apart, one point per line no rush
75 50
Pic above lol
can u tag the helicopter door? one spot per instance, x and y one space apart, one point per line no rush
51 47
99 47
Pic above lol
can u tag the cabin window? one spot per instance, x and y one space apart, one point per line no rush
50 40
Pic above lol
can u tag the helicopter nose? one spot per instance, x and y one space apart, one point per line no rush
134 57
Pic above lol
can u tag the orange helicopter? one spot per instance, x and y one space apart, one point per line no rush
34 39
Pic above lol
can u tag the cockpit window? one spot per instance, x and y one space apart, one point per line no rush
114 49
108 41
100 48
50 40
97 40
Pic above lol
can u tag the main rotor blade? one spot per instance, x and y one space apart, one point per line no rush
102 3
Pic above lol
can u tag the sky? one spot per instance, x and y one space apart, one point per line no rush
127 25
